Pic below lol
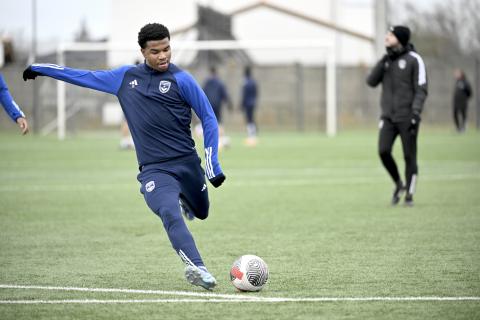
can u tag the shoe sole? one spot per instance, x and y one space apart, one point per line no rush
408 203
194 277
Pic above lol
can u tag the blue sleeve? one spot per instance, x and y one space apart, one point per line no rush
196 98
8 103
108 81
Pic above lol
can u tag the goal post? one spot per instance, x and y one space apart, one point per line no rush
323 45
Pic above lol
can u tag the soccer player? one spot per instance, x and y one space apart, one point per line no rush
249 103
462 93
156 98
404 90
217 94
11 107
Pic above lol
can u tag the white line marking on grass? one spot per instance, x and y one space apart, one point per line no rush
207 297
275 181
256 300
116 290
97 301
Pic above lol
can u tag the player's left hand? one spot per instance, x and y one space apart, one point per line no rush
217 180
414 123
415 119
23 124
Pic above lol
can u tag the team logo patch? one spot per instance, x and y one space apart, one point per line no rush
402 63
150 186
164 86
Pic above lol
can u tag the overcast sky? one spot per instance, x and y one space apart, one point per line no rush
59 20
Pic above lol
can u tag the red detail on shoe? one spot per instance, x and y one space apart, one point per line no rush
236 273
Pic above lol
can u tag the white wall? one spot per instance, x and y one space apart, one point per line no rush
260 24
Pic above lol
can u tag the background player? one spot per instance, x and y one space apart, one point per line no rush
157 98
217 95
249 103
461 95
404 90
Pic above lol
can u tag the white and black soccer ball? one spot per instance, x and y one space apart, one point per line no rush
249 273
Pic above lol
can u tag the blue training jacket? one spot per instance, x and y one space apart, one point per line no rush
8 103
157 106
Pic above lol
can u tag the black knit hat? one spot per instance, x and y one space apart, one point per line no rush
402 33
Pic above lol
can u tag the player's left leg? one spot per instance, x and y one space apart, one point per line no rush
162 191
409 135
456 118
464 118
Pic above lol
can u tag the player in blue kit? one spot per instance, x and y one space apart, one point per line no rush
157 97
11 107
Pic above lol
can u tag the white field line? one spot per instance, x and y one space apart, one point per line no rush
116 290
277 181
258 300
207 297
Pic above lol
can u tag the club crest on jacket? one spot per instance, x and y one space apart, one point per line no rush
164 86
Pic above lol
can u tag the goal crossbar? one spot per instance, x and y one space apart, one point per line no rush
328 46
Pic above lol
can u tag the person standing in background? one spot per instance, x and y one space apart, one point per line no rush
461 95
403 76
217 94
249 103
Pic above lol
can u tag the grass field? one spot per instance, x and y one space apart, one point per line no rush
316 209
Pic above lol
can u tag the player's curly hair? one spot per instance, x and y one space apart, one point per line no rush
152 31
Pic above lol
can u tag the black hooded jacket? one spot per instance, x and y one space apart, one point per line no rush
404 84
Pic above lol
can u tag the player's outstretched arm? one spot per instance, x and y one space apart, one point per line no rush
197 99
108 81
11 107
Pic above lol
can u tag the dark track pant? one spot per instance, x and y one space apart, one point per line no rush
460 117
408 134
163 184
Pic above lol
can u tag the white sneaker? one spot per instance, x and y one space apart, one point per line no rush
199 277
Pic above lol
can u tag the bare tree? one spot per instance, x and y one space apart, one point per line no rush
452 27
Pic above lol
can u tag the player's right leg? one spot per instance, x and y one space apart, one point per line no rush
387 136
194 198
456 118
409 146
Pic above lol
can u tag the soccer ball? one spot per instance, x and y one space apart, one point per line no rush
249 273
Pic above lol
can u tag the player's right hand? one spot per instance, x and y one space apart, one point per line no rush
30 74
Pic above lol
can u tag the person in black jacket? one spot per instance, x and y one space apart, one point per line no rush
463 92
404 90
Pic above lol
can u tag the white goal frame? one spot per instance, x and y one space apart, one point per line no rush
328 46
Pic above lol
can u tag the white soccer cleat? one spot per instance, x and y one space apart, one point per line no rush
185 211
199 277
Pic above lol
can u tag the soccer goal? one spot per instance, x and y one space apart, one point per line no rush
184 49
